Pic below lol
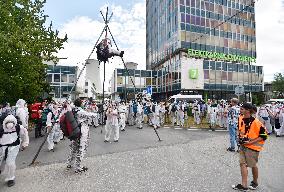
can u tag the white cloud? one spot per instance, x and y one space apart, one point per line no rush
269 36
127 26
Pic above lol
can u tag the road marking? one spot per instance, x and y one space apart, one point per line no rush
178 128
193 129
166 127
220 130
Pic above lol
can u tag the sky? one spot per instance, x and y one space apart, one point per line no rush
82 22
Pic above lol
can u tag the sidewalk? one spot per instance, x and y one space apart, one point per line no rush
201 165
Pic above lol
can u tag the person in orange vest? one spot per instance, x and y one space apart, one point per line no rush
252 136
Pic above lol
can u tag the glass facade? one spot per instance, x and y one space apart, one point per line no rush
222 26
61 79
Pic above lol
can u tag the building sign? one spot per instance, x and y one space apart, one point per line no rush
193 73
219 56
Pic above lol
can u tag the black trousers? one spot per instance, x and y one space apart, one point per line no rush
38 124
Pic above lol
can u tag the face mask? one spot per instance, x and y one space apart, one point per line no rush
10 125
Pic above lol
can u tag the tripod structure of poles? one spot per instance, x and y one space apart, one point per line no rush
105 30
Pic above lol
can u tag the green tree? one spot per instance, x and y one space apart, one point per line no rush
278 84
25 42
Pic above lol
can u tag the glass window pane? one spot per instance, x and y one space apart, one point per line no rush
71 78
64 78
56 78
206 74
49 78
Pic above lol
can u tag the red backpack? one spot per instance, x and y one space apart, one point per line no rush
69 125
35 110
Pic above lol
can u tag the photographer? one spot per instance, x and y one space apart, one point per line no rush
252 135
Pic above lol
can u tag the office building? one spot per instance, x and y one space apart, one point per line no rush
205 47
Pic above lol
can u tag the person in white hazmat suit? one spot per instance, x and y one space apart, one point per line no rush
263 116
180 114
196 113
112 123
280 132
212 114
14 136
95 111
122 109
173 113
130 114
139 116
22 113
156 115
221 115
53 127
78 147
162 114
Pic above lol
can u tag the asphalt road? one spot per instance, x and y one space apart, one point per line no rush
131 139
186 160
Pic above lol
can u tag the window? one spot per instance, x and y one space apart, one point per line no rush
230 76
148 82
86 83
71 78
224 76
224 66
212 65
120 80
64 78
183 17
56 77
49 78
206 74
86 90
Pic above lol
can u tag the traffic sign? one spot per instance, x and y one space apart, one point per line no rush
239 90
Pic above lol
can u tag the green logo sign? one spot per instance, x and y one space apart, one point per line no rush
219 56
193 73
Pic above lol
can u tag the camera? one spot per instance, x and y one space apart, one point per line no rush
243 140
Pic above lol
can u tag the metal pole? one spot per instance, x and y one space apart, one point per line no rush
103 116
60 85
125 92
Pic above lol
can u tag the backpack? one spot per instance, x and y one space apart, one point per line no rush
69 125
2 117
174 108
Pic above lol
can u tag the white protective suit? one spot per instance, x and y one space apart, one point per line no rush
196 113
122 109
162 114
78 147
281 120
263 116
53 125
212 114
10 145
95 117
221 116
112 124
22 113
156 116
173 113
139 116
180 114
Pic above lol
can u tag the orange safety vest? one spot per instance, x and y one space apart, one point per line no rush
252 133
